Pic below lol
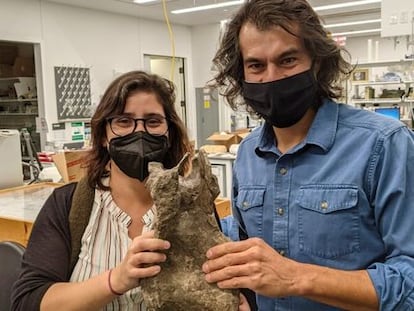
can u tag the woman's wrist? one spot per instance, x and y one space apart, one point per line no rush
111 289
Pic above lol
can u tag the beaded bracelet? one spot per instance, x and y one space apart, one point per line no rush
114 292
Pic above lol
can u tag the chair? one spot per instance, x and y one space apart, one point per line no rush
11 254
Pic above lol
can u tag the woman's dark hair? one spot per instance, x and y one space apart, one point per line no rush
329 65
113 103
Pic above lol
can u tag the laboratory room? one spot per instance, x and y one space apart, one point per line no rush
206 155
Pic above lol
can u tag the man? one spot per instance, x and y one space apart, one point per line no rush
322 191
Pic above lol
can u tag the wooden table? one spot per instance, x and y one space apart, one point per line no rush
19 207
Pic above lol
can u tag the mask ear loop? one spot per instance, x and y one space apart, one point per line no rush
108 165
108 168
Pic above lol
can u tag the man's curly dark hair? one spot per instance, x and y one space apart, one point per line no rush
330 67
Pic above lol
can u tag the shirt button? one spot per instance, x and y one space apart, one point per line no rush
324 205
282 253
283 171
245 204
280 211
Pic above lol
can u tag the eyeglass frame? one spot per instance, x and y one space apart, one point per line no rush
136 120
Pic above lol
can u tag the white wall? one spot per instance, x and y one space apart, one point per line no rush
112 43
205 44
20 20
390 48
106 43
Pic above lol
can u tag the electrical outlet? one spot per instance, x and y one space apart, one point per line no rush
393 19
404 18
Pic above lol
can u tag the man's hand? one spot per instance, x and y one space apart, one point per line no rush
251 264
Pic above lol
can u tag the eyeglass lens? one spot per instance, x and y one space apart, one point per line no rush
124 125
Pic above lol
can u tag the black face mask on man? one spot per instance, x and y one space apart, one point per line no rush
132 152
283 102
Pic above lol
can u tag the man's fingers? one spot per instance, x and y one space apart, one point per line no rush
227 248
233 254
231 272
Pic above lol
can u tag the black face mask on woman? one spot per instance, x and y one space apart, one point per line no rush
283 102
132 152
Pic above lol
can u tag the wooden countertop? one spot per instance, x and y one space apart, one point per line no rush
24 203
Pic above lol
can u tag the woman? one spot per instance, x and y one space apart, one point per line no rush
134 123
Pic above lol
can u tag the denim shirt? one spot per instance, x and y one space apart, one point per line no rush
342 198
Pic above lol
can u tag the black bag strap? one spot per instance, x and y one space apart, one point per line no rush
80 211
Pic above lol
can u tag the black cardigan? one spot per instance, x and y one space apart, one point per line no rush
47 256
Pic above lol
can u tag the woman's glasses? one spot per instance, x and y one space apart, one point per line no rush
156 125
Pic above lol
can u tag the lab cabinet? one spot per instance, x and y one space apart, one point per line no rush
222 167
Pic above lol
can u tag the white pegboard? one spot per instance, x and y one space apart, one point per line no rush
73 93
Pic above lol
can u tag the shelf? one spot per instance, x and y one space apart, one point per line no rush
377 101
382 103
15 100
373 83
10 79
17 114
384 63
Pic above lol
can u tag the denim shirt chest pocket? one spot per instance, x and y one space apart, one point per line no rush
250 204
328 220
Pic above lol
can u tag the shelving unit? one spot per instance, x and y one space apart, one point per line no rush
19 112
380 92
357 100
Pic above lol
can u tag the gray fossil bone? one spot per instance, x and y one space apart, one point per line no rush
185 218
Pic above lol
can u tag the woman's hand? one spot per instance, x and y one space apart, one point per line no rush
141 261
244 305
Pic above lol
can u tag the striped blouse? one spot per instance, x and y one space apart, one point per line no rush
104 244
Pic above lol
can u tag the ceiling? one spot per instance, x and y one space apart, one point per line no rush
155 11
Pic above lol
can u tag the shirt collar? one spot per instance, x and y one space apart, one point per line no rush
321 133
323 129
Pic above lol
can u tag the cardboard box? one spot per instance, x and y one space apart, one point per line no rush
243 135
69 164
223 207
214 148
23 67
224 139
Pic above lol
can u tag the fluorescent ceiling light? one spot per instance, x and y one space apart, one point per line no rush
207 7
344 5
238 2
143 1
370 21
356 32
